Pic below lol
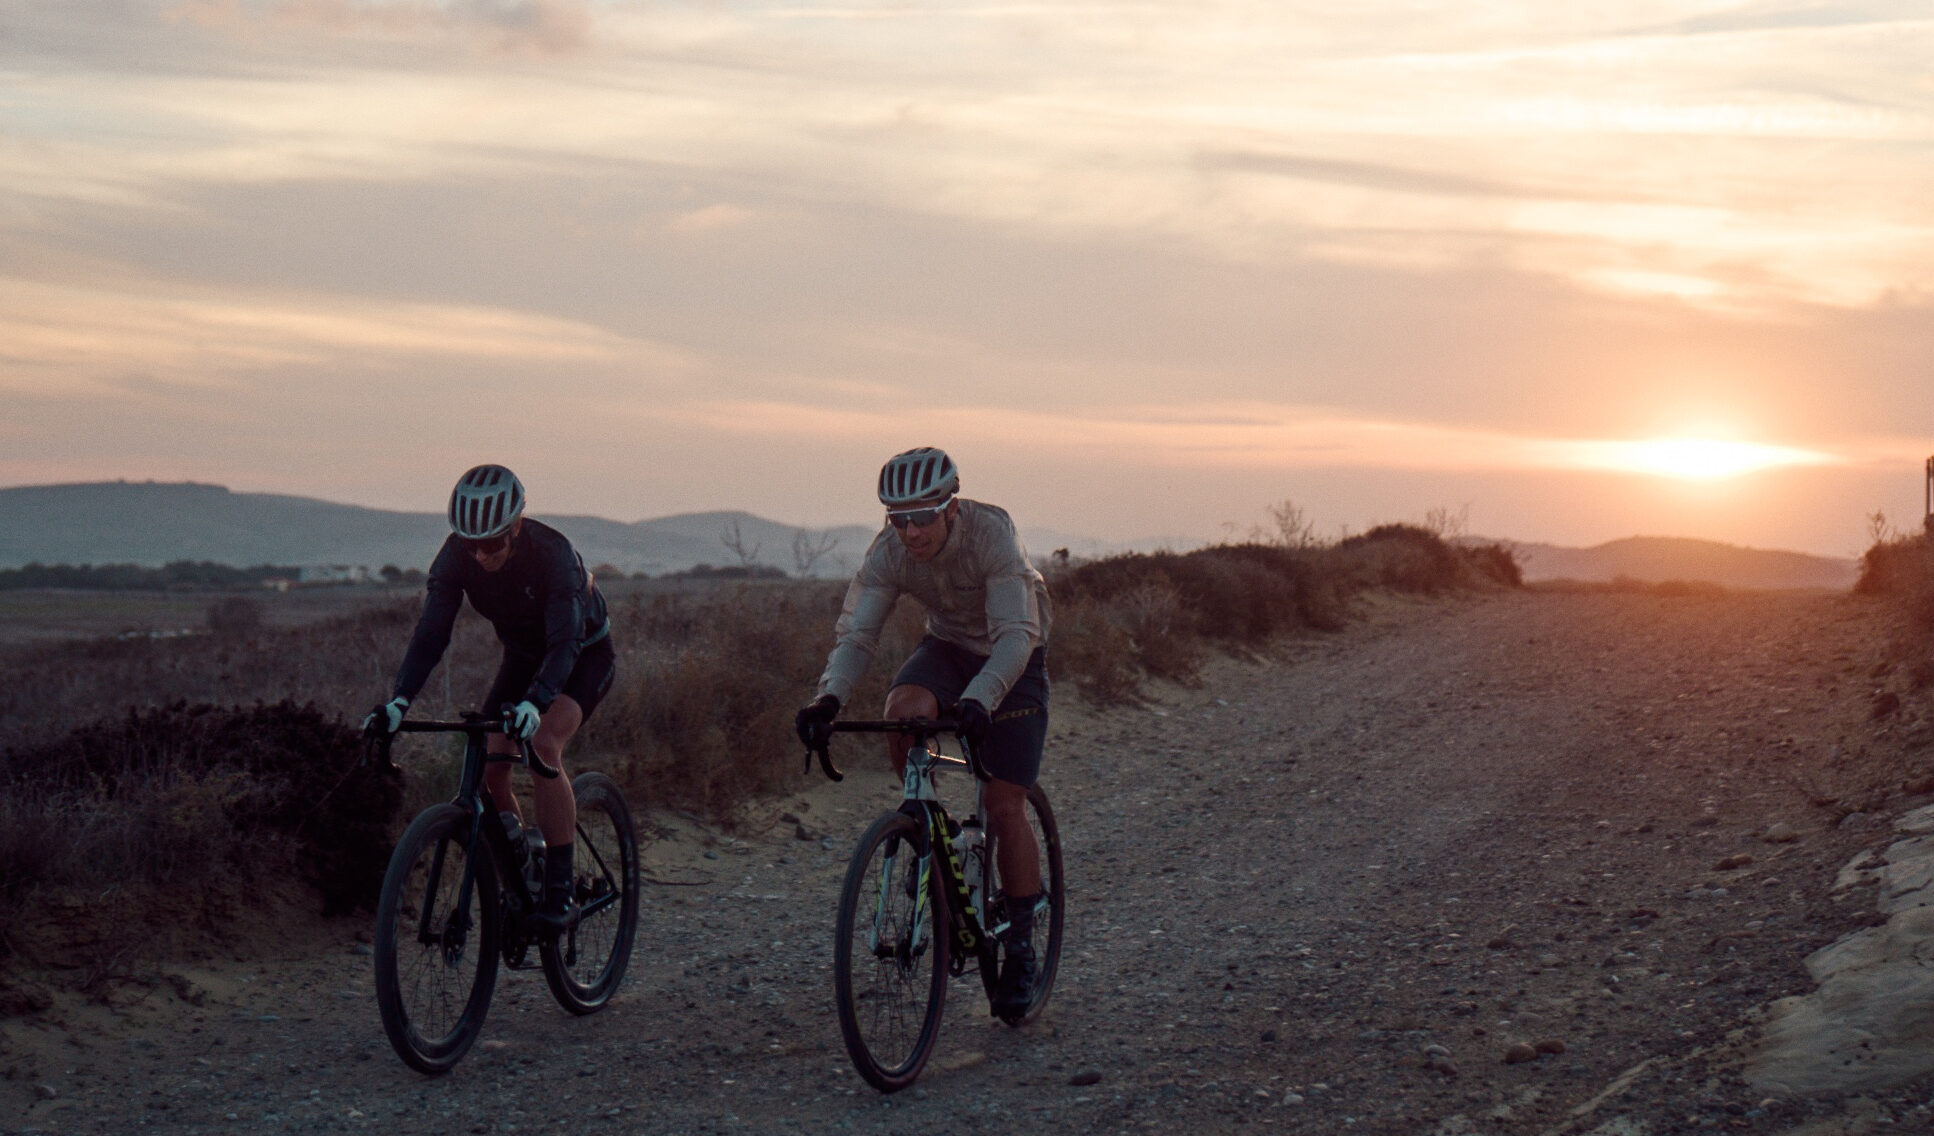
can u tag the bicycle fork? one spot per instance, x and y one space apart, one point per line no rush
917 930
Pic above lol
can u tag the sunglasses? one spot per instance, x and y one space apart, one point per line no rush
489 546
920 518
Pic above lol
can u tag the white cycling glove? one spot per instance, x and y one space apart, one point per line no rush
389 716
522 721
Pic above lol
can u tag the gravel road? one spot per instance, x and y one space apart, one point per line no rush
1529 863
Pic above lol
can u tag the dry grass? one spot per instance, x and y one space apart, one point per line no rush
1902 570
1124 619
120 767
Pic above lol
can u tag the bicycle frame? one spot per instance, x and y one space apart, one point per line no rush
920 800
487 828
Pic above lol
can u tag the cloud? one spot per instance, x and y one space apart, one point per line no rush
534 27
58 335
1253 436
1366 174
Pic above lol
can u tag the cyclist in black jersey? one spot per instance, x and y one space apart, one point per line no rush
527 580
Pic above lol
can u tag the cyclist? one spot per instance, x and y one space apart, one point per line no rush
527 580
984 656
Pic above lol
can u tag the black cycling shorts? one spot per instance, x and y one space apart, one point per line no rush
589 681
1012 751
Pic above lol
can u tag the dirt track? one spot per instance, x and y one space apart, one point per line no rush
1323 893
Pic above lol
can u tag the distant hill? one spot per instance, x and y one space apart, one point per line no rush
153 523
1655 559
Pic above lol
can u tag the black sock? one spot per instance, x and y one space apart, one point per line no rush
557 875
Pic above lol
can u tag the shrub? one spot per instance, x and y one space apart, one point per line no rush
200 796
700 715
1493 562
1124 618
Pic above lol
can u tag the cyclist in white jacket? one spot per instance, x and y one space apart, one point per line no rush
984 656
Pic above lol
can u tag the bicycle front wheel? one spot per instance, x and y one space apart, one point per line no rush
436 941
890 955
1048 913
586 963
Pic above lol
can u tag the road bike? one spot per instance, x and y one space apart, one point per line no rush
458 898
921 903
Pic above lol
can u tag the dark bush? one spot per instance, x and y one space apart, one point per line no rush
1495 563
700 715
201 795
1127 617
1405 558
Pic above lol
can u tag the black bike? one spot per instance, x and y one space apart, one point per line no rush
457 898
920 903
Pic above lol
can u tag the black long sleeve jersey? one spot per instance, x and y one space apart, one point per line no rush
542 603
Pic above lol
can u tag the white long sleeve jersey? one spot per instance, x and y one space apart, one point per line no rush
980 593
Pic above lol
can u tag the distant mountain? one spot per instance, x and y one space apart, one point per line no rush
1654 559
152 523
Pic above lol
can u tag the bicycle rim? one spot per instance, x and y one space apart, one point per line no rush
586 964
890 957
1049 917
435 947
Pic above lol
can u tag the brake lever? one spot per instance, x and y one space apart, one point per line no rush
825 763
535 763
376 750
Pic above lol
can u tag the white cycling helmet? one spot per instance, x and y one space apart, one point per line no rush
485 503
917 477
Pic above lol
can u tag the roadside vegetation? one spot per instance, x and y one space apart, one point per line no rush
1900 568
223 762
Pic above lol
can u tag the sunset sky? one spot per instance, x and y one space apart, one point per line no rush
1578 271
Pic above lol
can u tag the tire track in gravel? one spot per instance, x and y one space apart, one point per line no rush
1317 893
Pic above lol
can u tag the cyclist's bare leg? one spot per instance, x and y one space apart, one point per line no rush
556 807
1014 847
907 701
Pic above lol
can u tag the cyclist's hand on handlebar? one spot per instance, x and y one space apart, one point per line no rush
387 718
975 721
521 721
813 721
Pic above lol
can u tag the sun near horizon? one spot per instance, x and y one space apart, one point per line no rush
1695 458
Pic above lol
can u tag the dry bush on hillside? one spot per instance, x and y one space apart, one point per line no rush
1126 618
700 715
1902 570
197 799
342 665
116 767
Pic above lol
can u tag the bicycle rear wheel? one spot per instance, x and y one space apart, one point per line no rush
586 963
1049 912
436 941
890 955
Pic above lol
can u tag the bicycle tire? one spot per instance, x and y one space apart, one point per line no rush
1053 888
436 957
585 965
890 990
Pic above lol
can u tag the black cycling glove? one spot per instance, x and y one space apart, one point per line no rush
975 721
814 721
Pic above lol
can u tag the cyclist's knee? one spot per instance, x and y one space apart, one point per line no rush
1004 796
911 701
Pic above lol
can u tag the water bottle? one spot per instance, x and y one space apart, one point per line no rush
534 864
526 850
973 861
